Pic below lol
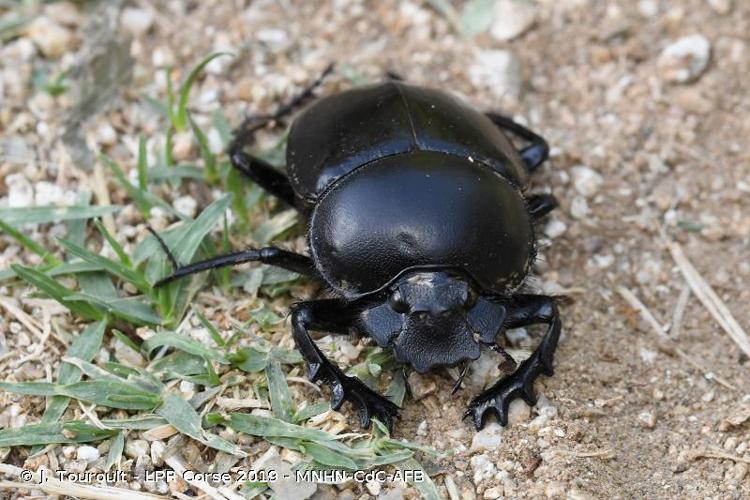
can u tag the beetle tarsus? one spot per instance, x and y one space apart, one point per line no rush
532 155
331 315
526 310
541 205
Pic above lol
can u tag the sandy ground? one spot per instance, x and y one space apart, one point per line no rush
639 160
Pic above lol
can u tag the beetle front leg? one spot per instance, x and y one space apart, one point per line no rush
522 311
335 315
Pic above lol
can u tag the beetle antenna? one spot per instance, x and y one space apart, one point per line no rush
164 247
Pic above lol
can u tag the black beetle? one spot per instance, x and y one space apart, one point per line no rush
418 224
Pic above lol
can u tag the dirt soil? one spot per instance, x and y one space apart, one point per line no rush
640 160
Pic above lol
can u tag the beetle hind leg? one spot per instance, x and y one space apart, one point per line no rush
523 310
336 315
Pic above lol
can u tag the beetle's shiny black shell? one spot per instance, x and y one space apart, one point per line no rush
395 177
342 132
421 209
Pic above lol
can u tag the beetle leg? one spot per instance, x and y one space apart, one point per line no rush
336 315
523 310
255 168
540 205
532 155
263 174
269 255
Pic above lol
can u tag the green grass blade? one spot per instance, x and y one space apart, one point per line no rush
118 269
53 433
121 254
275 226
221 124
181 118
108 393
116 446
209 159
192 237
45 214
84 347
130 309
30 244
278 392
142 163
328 457
142 198
212 330
58 292
182 343
185 419
426 487
310 411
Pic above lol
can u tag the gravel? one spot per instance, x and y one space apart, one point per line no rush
684 60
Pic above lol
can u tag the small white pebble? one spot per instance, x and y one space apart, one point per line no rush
555 228
647 419
87 453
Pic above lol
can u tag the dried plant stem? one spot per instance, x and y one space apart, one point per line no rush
656 327
709 299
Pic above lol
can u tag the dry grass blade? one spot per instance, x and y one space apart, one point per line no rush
713 453
23 318
53 486
606 453
709 299
656 327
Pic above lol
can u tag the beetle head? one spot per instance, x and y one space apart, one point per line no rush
433 318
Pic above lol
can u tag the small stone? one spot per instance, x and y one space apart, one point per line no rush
483 467
136 448
518 412
648 8
420 386
286 486
483 371
186 205
422 428
647 419
500 70
87 453
157 453
579 207
347 349
555 489
51 38
586 181
685 59
739 471
555 228
137 21
373 487
183 146
722 7
493 493
487 439
450 485
106 134
20 191
125 354
512 19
